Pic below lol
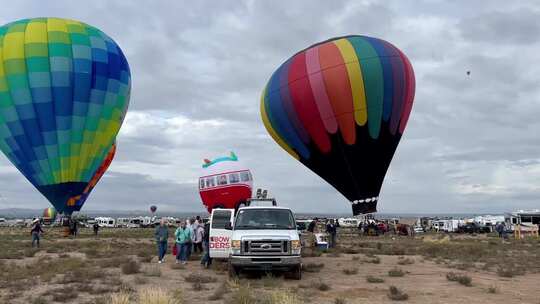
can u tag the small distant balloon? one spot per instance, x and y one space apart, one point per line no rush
468 72
153 209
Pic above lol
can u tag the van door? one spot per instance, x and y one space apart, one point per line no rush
220 238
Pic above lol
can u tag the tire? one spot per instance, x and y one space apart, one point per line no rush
296 273
233 271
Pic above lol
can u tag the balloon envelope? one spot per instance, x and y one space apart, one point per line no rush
153 209
50 214
340 107
64 92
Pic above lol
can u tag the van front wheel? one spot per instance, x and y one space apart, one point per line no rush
296 273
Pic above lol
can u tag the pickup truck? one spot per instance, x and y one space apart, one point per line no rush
261 238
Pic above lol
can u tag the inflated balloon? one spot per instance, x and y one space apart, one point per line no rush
49 214
76 202
340 107
153 209
64 92
225 182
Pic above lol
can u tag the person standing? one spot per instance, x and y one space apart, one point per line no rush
332 232
191 226
183 239
36 232
199 234
206 260
75 228
96 228
162 235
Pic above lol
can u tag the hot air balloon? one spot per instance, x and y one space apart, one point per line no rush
64 93
49 215
225 182
153 209
340 107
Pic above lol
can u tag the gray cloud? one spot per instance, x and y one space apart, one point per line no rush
199 67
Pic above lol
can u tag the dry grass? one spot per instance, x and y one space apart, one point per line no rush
321 286
201 278
350 271
313 267
462 279
372 279
219 292
152 271
396 272
130 267
157 296
405 261
120 298
396 294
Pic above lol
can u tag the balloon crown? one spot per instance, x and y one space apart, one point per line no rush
208 163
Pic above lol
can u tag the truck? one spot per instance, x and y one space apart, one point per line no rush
256 238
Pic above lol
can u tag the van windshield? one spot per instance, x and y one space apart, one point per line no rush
264 219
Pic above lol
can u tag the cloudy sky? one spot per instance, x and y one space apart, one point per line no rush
472 143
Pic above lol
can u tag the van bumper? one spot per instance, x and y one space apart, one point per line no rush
265 262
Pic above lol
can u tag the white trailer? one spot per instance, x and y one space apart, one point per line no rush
107 222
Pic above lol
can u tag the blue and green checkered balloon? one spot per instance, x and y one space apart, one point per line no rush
64 93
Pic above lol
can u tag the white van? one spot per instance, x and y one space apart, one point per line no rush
220 237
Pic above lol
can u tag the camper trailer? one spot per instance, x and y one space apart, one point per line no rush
522 217
107 222
122 222
348 222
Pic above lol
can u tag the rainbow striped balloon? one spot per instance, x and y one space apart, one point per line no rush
49 213
340 107
64 92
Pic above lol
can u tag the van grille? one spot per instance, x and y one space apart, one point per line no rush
266 247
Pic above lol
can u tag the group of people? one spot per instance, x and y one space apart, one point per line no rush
330 228
191 237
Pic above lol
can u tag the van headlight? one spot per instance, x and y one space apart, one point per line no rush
236 244
295 245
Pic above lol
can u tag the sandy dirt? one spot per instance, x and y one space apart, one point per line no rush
424 281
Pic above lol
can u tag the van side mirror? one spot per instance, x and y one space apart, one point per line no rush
228 226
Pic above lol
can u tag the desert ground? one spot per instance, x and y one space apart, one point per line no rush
120 266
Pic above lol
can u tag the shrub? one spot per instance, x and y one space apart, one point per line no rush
322 286
373 260
350 271
156 296
282 297
372 279
396 272
197 277
130 267
140 280
242 296
405 261
219 292
312 267
152 271
397 294
492 289
509 271
340 301
460 278
270 281
120 298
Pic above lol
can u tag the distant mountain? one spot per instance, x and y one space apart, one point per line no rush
30 213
